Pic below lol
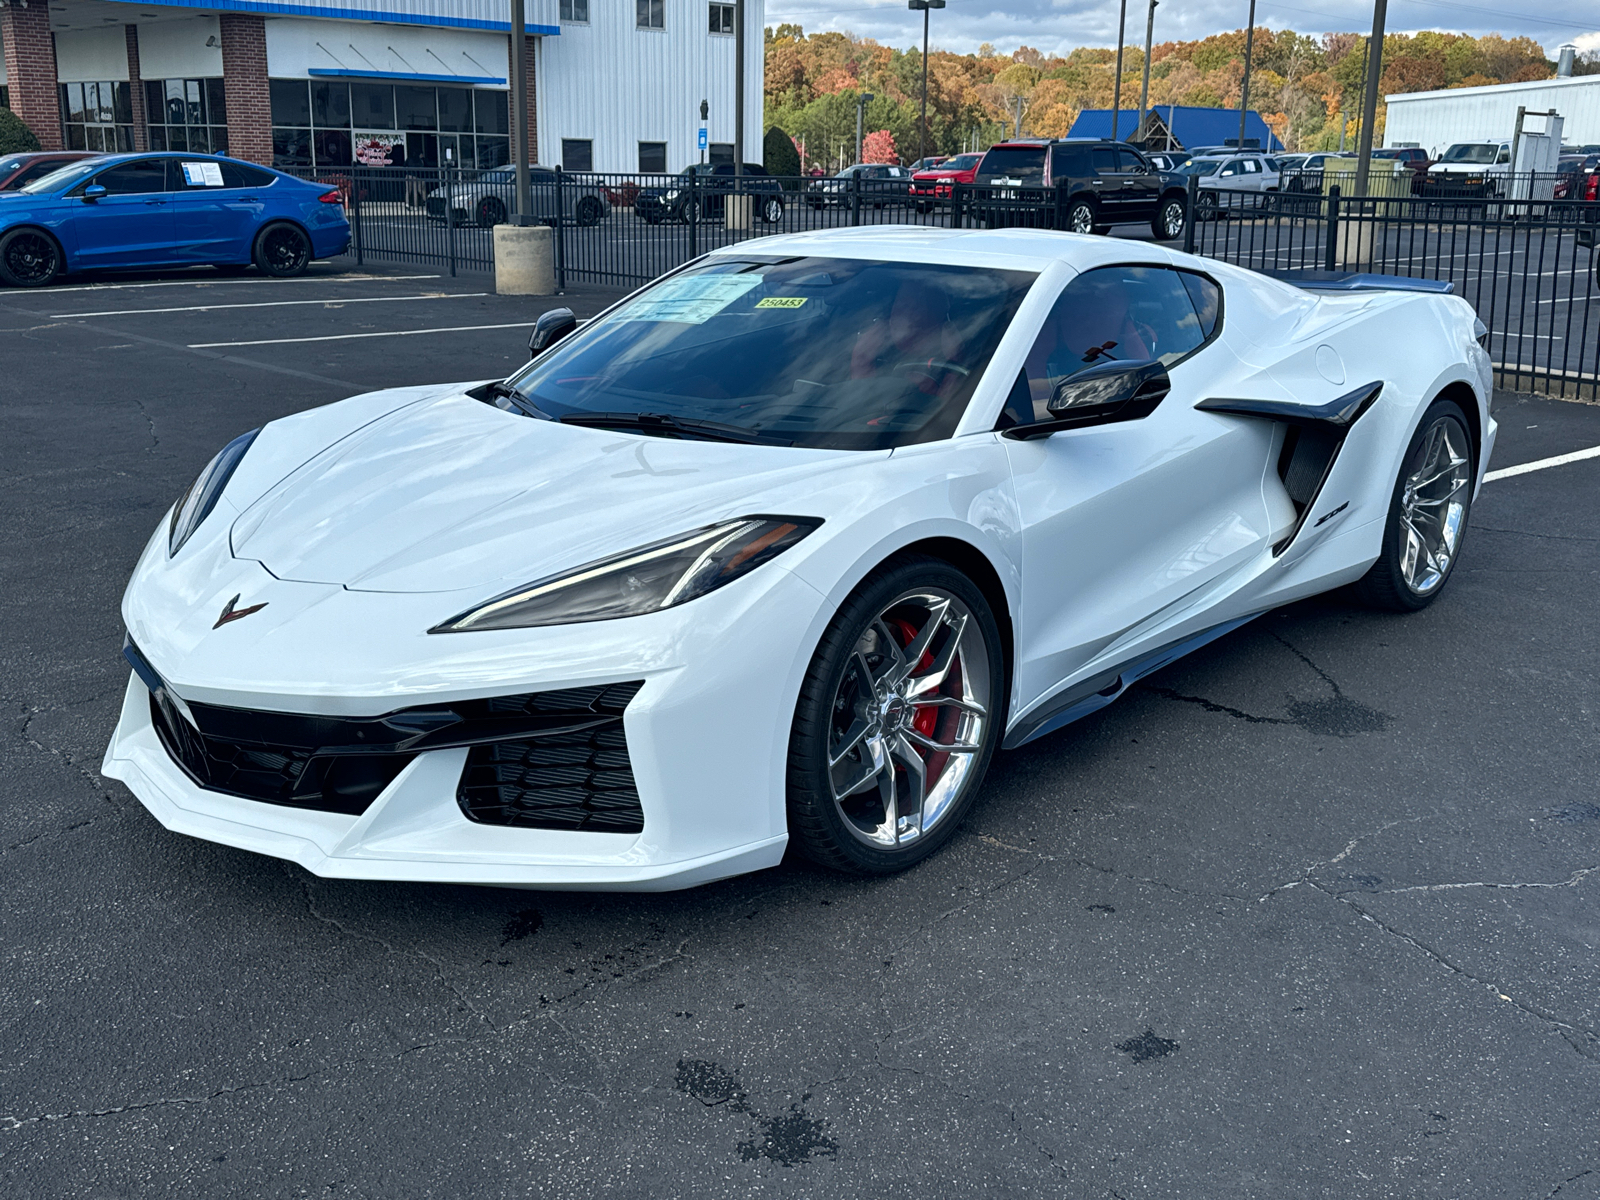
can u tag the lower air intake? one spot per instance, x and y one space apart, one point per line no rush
578 779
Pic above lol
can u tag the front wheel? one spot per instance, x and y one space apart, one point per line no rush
491 211
772 210
690 212
283 250
589 211
1167 224
29 258
1427 515
898 717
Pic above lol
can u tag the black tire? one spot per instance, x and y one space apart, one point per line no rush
490 211
771 210
1167 224
589 211
1081 216
282 250
1207 207
690 212
818 827
1387 585
30 258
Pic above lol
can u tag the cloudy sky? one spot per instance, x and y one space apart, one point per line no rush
1059 25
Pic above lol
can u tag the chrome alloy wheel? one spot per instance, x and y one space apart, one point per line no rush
907 723
1433 506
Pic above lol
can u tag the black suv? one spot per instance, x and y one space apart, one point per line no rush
713 184
1081 184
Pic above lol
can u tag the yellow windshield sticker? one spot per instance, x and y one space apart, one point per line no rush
781 302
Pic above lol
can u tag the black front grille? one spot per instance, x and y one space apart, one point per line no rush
578 779
540 760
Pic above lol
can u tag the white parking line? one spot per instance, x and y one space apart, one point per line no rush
341 337
224 281
128 312
1560 460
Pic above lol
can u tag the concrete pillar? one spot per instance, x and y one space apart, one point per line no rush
30 54
244 83
528 45
524 260
141 120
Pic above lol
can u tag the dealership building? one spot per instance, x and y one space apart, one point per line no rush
614 85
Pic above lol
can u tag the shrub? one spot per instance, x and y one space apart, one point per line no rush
15 137
778 154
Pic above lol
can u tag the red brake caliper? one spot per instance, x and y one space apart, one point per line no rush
927 718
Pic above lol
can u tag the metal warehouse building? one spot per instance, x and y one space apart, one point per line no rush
615 85
1435 119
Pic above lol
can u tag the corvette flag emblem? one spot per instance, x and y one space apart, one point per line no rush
230 613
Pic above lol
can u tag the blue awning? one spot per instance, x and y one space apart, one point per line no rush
410 76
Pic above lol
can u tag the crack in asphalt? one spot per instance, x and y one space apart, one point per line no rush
1304 878
1572 880
1556 1191
1148 881
1584 1041
1545 537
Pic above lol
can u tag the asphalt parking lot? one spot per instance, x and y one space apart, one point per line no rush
1309 914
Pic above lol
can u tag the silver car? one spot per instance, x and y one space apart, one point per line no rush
489 198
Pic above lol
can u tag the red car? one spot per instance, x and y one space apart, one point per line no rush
936 183
18 169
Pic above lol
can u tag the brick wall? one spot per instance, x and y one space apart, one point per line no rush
141 131
533 107
244 83
30 53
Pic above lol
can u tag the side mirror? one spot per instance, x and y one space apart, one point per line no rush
550 329
94 192
1105 393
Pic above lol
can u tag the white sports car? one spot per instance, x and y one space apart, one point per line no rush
781 548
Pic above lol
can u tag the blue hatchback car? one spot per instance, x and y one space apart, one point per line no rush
148 210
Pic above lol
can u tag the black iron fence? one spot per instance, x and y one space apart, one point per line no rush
1526 261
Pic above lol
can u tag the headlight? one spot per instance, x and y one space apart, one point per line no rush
673 194
653 577
196 504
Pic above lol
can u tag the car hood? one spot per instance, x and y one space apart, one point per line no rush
454 495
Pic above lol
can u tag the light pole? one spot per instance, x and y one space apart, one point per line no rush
1116 88
738 90
1144 88
519 113
864 99
1369 102
1244 95
923 6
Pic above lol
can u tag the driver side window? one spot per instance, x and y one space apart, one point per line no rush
1118 314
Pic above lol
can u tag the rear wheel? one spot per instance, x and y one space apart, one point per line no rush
1427 515
897 720
772 210
589 211
1167 224
1080 216
282 250
491 210
29 258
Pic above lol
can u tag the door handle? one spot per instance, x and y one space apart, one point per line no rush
1098 182
155 201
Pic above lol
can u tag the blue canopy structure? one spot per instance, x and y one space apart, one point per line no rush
1187 127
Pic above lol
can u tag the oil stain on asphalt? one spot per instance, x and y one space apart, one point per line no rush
787 1139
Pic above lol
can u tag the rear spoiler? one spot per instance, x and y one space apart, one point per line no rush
1360 281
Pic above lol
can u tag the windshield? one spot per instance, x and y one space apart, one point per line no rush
1022 162
61 177
961 162
826 352
1470 153
1199 166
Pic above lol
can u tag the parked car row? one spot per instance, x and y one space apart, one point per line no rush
165 209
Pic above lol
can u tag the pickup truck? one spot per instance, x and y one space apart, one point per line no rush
1469 169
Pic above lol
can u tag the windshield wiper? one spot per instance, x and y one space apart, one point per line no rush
504 390
664 423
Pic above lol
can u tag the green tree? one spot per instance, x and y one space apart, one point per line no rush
778 154
15 137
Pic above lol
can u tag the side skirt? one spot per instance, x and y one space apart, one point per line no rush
1100 690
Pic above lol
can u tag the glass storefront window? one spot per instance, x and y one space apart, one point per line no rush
291 103
327 123
97 116
186 114
372 105
330 105
455 110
